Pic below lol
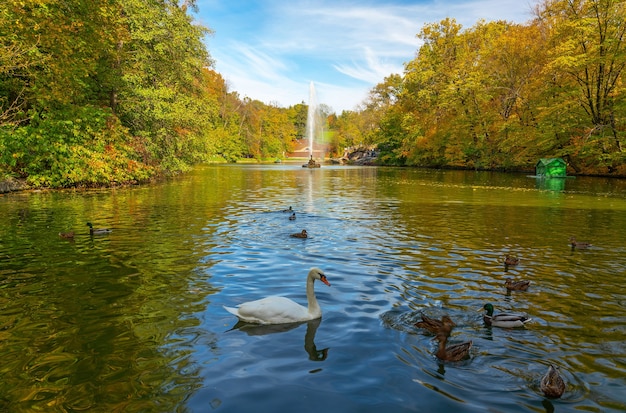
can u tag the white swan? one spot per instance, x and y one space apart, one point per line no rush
280 310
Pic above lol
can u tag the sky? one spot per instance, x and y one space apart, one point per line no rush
271 50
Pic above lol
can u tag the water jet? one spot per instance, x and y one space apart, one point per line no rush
312 126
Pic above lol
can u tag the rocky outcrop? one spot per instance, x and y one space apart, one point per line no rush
10 185
360 155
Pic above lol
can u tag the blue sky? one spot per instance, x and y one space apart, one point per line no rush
270 50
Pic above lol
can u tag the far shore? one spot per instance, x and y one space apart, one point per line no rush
11 184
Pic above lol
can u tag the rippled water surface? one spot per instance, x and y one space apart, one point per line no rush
133 321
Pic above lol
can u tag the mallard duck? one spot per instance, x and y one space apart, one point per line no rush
510 261
506 320
292 217
302 234
577 244
433 325
455 352
67 235
288 210
519 285
98 231
552 384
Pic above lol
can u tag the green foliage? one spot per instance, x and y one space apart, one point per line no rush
80 146
298 116
93 93
63 62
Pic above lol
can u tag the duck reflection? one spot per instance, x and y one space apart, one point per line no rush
309 336
547 404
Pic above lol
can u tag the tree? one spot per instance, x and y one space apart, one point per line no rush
588 48
161 98
104 80
513 63
370 127
424 99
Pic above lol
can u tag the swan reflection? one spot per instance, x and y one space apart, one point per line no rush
309 336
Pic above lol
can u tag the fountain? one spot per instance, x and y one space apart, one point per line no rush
312 123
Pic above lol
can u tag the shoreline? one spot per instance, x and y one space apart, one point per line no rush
11 185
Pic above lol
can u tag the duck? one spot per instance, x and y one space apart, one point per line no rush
578 244
510 261
302 234
433 325
281 310
288 209
97 231
292 217
506 320
455 352
67 235
518 285
552 384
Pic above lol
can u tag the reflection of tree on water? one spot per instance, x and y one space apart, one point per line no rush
309 336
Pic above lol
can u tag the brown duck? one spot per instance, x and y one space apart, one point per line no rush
67 235
433 325
518 285
577 244
302 234
510 261
455 352
552 384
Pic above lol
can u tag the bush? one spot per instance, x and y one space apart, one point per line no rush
75 146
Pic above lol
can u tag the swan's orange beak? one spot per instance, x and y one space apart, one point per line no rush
324 280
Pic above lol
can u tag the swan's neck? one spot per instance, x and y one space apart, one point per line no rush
314 308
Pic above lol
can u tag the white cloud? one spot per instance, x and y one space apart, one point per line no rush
271 50
372 69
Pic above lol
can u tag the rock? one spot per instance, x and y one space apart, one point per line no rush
10 185
360 155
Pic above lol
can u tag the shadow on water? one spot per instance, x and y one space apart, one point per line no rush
309 336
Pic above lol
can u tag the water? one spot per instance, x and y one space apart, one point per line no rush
133 321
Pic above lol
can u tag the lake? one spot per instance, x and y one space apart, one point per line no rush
133 321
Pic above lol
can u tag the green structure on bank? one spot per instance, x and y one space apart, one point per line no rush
551 168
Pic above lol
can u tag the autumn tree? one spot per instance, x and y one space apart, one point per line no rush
513 63
346 129
226 132
423 111
500 95
588 50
